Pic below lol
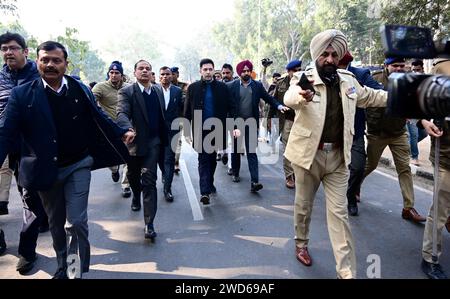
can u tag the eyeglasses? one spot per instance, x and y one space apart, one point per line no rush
398 65
10 48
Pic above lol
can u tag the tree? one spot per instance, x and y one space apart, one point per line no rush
133 43
434 14
16 27
8 6
83 61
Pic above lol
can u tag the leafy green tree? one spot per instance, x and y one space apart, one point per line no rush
16 27
434 14
8 6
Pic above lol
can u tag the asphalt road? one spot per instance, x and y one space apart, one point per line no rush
240 235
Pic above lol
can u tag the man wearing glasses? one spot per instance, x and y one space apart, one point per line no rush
383 131
18 70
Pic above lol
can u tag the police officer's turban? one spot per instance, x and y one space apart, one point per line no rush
240 67
331 37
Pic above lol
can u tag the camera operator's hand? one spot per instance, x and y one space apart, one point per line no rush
431 128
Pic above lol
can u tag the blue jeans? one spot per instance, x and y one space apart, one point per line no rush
415 135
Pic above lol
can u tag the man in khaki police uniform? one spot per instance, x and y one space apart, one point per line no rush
106 95
432 268
383 131
320 144
287 118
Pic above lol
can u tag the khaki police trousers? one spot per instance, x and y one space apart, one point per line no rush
399 147
328 168
5 180
288 170
443 212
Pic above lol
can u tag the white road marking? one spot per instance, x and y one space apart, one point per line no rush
195 206
396 179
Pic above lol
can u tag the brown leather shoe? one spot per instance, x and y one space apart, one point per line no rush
411 214
290 183
302 256
447 225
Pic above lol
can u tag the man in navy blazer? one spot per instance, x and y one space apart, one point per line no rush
173 100
65 136
247 93
358 163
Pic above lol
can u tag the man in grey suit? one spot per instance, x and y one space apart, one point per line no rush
173 101
141 109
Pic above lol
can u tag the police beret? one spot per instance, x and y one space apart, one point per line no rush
175 69
391 60
293 65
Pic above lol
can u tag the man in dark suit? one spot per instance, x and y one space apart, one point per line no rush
247 93
173 109
66 135
207 100
358 163
141 109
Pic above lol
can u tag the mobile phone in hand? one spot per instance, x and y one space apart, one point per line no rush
305 84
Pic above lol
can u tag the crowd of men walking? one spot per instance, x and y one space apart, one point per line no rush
54 131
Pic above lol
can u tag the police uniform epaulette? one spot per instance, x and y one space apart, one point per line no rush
439 60
346 72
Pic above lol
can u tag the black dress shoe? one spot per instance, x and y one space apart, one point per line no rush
353 210
135 205
225 159
115 176
126 192
236 179
24 266
255 187
61 274
4 208
204 199
150 233
230 171
219 157
2 242
177 169
168 196
433 271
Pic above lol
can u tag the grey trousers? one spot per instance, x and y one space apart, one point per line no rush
66 206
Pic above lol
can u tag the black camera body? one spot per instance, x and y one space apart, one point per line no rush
416 95
266 62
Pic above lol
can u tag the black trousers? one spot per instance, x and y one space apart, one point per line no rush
252 157
357 167
167 164
31 203
142 176
207 164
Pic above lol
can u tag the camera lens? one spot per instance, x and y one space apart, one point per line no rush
434 96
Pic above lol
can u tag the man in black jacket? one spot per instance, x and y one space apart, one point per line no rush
208 100
66 135
18 70
247 93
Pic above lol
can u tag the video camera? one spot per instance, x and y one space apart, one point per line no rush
266 62
414 95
